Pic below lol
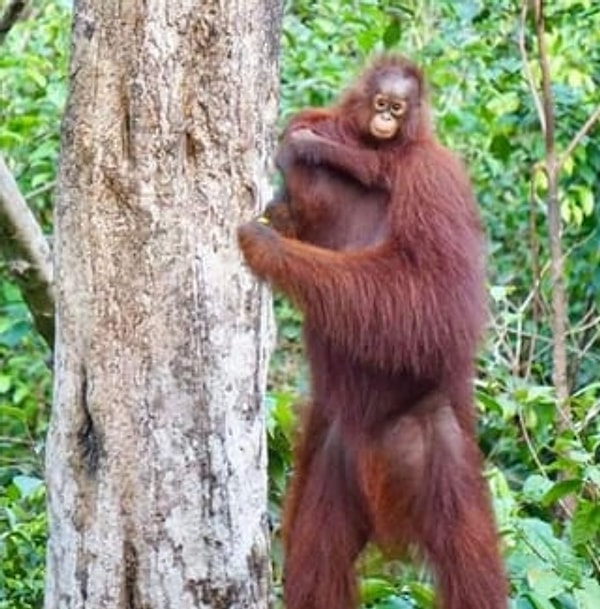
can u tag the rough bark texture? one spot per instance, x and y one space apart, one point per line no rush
156 452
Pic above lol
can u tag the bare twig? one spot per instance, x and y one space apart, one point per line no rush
590 416
42 190
11 15
585 129
559 297
528 73
536 311
28 252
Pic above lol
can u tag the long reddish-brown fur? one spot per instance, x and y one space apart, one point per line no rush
386 260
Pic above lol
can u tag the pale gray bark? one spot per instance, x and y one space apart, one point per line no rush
24 245
156 452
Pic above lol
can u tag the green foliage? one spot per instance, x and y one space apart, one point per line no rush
24 399
32 94
317 57
552 558
24 386
33 74
22 542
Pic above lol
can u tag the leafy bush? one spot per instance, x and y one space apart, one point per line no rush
22 542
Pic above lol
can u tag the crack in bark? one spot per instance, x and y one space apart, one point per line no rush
217 595
259 569
89 437
82 577
130 576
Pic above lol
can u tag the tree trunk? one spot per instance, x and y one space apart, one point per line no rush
156 451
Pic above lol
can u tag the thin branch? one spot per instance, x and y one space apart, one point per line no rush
528 73
590 416
559 297
578 137
42 190
11 15
536 311
26 248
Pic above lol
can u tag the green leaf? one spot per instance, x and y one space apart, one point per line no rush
553 552
13 336
561 489
280 412
5 383
373 589
539 602
506 103
488 402
522 602
586 200
501 147
536 488
392 34
422 593
592 474
27 485
588 597
585 525
545 583
12 412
